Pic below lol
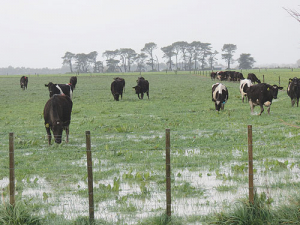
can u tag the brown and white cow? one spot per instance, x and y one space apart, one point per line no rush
24 82
57 116
261 94
219 95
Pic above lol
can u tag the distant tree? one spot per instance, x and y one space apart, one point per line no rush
126 55
183 49
92 59
140 61
196 46
168 53
177 47
189 56
148 49
111 62
229 49
99 67
204 50
211 58
68 57
82 63
246 61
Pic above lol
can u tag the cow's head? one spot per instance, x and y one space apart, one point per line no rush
138 89
274 89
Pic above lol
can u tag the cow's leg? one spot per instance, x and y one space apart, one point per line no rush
293 102
251 106
139 95
269 110
142 95
67 134
148 94
222 106
262 109
297 102
49 135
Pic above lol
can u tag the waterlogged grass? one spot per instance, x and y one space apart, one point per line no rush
209 158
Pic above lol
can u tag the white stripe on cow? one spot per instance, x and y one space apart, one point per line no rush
58 87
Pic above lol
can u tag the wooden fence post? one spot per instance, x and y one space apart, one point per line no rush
250 154
90 176
168 173
11 169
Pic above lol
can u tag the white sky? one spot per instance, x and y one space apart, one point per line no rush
37 33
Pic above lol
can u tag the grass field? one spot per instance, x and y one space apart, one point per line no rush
209 161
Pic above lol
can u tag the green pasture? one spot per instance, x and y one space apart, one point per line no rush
209 158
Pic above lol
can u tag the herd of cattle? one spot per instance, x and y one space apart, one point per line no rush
57 111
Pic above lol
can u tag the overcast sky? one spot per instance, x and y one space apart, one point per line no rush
37 33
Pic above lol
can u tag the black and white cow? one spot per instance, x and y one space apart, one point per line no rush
66 89
57 116
219 95
24 82
142 87
261 94
253 78
117 88
242 84
293 90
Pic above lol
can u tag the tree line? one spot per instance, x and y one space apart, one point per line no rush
180 55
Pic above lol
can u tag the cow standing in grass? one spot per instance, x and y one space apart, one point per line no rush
66 89
142 87
117 88
57 116
242 84
293 90
122 80
219 95
73 81
261 94
24 82
253 78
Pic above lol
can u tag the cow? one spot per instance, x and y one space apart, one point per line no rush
213 75
253 78
73 81
219 95
261 94
24 82
117 88
293 90
238 76
66 89
221 75
122 80
242 84
57 116
142 87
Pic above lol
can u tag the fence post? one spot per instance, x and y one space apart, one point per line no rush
250 154
11 169
168 172
90 176
279 82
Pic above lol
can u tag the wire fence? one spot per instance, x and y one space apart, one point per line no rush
126 184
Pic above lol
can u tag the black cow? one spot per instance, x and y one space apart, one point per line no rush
66 89
213 75
261 94
293 90
73 81
253 78
24 82
57 116
117 88
142 87
122 81
219 95
238 76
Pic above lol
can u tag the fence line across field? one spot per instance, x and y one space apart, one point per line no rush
168 202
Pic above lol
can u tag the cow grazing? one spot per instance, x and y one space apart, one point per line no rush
293 90
219 95
253 78
142 87
122 81
238 76
117 88
261 94
24 82
221 75
73 82
66 89
242 84
57 116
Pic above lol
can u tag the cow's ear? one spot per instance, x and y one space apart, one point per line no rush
46 85
280 88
